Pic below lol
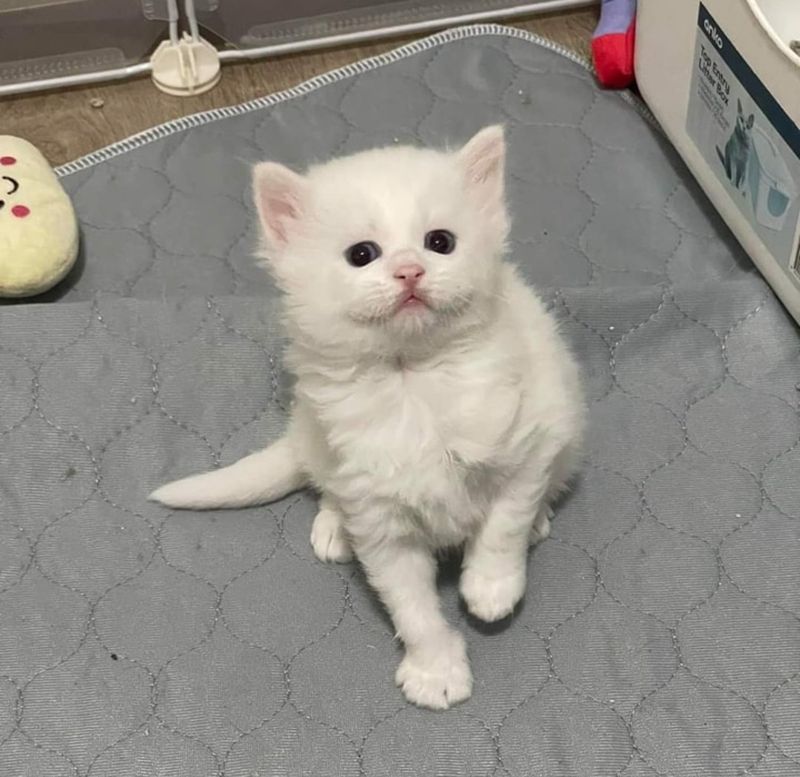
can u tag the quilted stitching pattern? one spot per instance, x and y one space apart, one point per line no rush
661 630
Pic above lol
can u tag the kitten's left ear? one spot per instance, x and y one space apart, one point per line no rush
280 196
483 158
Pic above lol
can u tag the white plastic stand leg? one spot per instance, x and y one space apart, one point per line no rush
187 67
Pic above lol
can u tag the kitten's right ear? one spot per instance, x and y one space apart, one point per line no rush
280 196
483 160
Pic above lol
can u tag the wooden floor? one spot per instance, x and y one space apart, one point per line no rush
65 124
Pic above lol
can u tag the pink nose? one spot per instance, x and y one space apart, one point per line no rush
409 273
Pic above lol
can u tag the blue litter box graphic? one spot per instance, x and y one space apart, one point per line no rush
772 189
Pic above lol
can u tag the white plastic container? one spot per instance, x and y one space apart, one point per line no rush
724 82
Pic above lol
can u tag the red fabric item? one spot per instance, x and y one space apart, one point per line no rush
613 58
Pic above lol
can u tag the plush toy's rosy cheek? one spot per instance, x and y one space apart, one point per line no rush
20 211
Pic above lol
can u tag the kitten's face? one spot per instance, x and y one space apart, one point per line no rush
387 244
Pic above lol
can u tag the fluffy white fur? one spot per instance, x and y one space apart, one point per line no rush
423 426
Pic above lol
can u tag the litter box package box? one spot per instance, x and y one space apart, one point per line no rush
725 85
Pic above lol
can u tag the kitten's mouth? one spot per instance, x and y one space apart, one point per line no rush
411 301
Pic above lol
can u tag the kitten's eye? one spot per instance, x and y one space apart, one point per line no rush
362 254
441 241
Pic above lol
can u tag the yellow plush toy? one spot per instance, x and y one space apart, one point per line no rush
38 228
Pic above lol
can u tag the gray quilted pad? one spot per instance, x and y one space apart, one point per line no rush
661 630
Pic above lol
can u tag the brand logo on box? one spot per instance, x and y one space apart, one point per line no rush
712 33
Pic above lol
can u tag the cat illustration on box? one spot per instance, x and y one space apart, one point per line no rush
738 148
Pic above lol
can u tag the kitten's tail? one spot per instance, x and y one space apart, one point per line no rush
260 477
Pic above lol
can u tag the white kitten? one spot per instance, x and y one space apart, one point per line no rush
435 403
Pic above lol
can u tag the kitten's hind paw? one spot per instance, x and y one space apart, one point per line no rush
328 537
436 678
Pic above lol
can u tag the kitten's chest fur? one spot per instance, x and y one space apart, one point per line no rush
434 437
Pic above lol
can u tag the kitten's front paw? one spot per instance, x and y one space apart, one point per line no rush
328 537
492 597
436 677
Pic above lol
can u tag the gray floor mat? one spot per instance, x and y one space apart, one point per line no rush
660 633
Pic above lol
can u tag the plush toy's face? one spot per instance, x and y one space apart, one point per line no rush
10 189
38 230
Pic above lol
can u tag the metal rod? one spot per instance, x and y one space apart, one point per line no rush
75 80
191 17
173 15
